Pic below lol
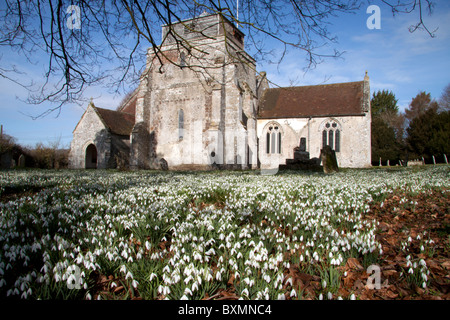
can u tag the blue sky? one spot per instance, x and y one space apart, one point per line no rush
397 60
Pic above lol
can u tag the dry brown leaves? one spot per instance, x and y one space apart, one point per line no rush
425 216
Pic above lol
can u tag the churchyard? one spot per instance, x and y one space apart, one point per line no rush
380 233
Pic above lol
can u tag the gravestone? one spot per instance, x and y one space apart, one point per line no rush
300 151
301 159
21 161
329 161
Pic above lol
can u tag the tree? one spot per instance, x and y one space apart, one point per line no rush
429 134
382 102
387 127
444 101
80 38
384 142
419 105
7 142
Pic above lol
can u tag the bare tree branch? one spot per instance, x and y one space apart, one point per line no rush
115 38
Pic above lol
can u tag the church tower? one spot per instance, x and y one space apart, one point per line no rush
197 101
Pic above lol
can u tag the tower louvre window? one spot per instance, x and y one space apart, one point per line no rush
180 124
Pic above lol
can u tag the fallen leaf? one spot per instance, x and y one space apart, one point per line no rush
446 264
389 273
391 295
353 263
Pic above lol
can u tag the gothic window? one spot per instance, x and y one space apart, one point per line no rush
273 139
180 124
331 136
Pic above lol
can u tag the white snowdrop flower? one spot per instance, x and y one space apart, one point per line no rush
88 296
411 271
184 297
134 283
352 297
245 292
424 285
330 296
320 296
293 293
129 275
281 296
324 284
289 281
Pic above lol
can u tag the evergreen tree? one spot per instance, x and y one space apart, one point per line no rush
429 134
387 127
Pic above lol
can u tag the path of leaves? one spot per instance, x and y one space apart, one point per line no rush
407 224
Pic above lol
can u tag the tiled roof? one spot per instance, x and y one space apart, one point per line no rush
308 101
120 123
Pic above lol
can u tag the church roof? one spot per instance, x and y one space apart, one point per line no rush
338 99
120 123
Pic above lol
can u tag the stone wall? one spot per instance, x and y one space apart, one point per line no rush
215 87
355 140
90 130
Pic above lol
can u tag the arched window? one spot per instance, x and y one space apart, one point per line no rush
331 136
273 139
180 124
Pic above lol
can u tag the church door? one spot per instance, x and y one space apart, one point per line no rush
91 157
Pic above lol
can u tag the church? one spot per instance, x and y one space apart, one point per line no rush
202 105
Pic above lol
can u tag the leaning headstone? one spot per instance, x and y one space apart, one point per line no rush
329 161
163 163
21 161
